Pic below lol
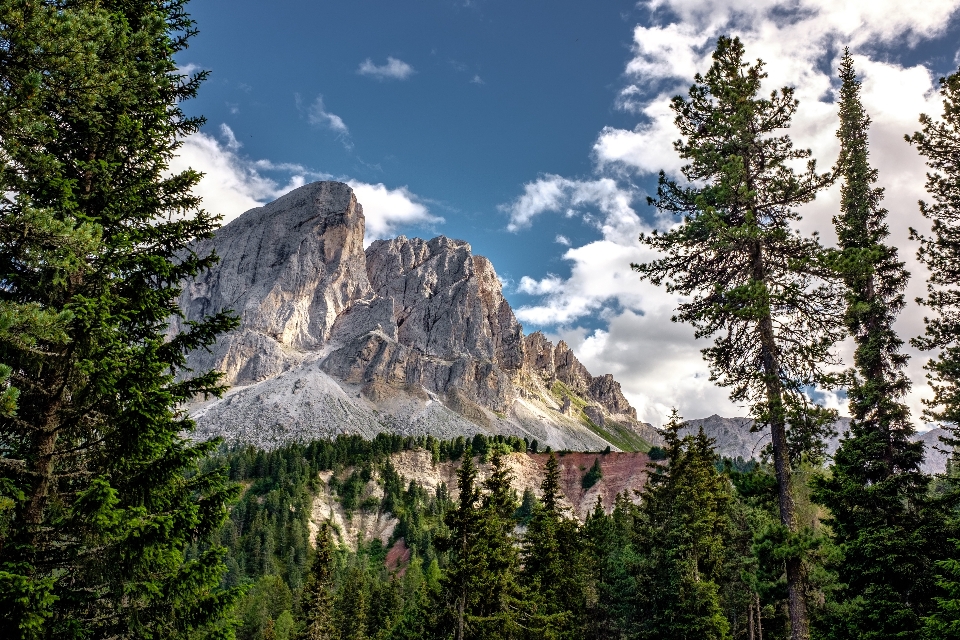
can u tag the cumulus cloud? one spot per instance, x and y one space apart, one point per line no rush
387 209
233 183
394 69
658 361
556 193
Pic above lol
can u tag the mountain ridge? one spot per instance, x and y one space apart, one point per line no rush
408 335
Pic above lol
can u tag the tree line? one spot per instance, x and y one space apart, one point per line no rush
114 523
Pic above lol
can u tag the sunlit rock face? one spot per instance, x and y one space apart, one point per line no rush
411 336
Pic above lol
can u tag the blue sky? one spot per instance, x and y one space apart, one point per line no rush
533 129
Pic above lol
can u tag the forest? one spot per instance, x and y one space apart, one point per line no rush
114 523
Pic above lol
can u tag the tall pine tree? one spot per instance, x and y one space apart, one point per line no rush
743 273
317 597
939 142
499 615
103 494
881 518
553 564
680 528
462 588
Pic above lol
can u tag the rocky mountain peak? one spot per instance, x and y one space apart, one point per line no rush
408 335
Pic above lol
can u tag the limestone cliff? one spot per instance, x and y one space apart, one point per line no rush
409 335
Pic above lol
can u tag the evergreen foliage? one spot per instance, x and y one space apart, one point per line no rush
944 622
101 491
317 598
681 526
881 516
745 275
462 589
553 564
592 476
938 142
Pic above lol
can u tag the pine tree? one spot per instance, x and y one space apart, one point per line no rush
352 604
498 615
317 597
553 565
461 588
877 495
939 143
680 529
612 562
944 622
106 494
743 274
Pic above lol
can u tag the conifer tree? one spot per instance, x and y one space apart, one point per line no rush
553 570
461 588
939 142
317 597
743 273
943 623
877 495
498 615
609 541
680 528
106 494
352 605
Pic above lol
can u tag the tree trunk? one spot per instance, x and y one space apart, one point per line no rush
796 601
756 598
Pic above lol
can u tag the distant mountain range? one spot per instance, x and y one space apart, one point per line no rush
733 438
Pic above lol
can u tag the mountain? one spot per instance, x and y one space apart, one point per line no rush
733 438
408 336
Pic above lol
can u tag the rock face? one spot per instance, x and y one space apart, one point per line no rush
288 270
409 335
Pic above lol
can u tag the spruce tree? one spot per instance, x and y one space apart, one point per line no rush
553 564
680 528
939 142
103 494
461 588
943 623
499 614
880 515
317 597
353 603
743 273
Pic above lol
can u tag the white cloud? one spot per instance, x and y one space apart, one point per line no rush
189 69
230 184
386 209
229 139
477 80
657 361
562 239
394 69
233 184
556 193
318 115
